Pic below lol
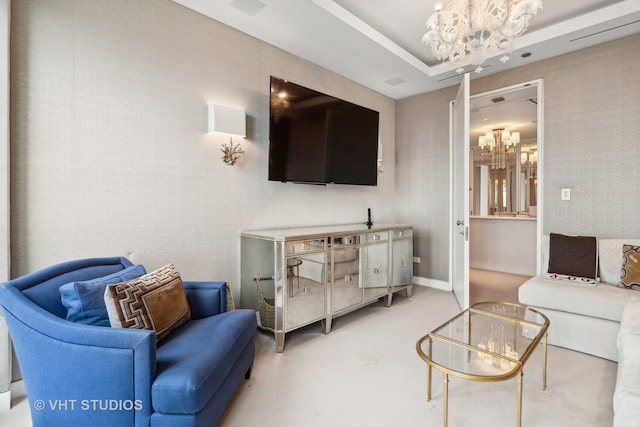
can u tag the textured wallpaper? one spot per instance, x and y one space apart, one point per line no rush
110 154
4 140
591 145
109 149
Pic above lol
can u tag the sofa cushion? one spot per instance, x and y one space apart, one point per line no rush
604 301
626 398
193 364
84 300
155 301
630 271
575 256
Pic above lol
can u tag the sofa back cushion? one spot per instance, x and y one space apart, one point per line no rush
611 258
42 286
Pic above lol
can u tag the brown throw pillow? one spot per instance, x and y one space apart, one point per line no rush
630 272
155 301
575 256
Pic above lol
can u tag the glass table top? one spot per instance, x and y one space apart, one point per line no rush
490 341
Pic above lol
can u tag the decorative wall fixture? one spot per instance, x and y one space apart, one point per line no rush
231 121
473 28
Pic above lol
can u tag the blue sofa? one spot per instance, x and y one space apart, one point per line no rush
84 375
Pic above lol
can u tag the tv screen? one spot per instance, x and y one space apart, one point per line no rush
316 138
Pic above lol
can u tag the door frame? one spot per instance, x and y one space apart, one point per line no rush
539 186
540 169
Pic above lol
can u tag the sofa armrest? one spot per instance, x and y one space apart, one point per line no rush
83 365
206 298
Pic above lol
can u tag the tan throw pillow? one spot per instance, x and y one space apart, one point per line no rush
155 301
630 273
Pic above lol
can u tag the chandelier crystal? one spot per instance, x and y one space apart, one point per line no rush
473 28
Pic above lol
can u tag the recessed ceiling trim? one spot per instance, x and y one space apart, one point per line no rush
612 12
603 31
374 35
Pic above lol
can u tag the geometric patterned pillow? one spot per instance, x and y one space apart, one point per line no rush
155 301
630 272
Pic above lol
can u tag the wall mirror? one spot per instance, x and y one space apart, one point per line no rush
504 151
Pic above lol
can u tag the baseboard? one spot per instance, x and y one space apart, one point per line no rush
17 390
432 283
5 401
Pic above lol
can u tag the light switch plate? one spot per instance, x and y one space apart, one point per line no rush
565 194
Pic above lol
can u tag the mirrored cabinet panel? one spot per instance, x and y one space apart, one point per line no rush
305 283
294 277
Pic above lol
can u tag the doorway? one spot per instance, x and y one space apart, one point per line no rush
505 134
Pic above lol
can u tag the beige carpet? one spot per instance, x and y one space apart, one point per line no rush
366 373
485 285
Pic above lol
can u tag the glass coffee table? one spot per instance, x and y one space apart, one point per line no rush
490 341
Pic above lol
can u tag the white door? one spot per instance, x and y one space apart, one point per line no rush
459 228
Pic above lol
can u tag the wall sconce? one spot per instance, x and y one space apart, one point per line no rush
231 121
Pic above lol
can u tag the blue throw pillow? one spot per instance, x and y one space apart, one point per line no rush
85 300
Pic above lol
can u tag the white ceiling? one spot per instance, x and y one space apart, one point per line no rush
376 43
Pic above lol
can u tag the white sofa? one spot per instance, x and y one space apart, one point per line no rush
601 320
584 318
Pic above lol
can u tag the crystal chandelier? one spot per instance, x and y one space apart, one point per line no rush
475 27
529 161
498 144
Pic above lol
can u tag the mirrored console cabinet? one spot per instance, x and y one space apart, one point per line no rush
296 276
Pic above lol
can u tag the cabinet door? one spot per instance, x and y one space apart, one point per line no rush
305 281
346 288
376 269
402 256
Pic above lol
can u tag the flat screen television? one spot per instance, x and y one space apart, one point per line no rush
319 139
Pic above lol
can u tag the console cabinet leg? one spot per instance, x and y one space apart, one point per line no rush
326 324
408 291
279 341
388 299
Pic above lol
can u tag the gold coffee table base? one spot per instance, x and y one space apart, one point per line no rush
490 341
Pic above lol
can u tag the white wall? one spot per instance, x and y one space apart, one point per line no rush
109 149
503 244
